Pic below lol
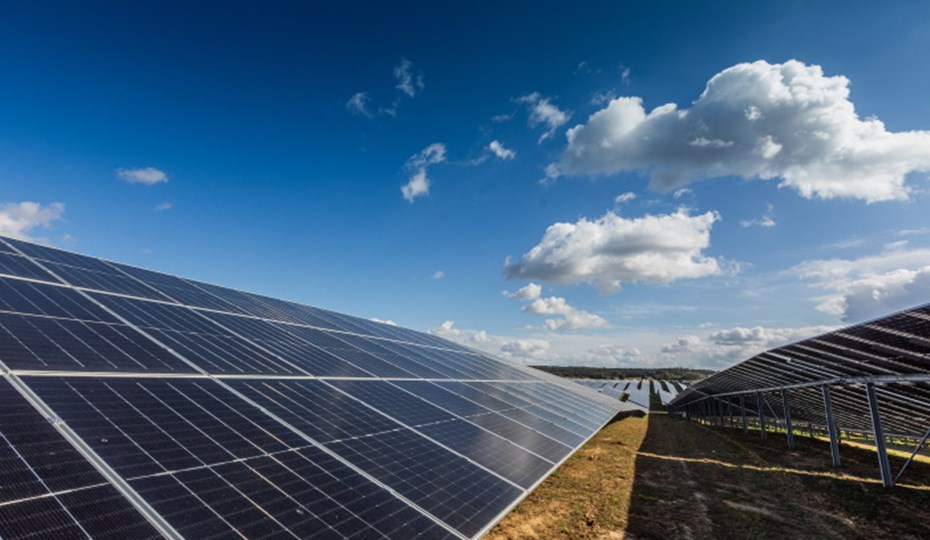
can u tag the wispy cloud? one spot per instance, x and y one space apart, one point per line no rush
766 220
543 112
164 206
408 82
148 176
358 104
418 182
501 151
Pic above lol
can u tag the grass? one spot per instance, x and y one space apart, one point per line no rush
657 477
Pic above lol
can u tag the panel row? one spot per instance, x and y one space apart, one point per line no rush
95 274
459 453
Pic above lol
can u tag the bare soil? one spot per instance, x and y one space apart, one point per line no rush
660 478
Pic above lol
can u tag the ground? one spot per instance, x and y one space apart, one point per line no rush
658 477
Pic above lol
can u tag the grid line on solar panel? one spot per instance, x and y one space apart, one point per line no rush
41 472
33 342
424 416
13 264
220 443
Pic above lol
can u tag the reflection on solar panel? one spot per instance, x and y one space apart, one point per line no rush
135 404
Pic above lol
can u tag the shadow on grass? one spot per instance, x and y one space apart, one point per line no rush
694 481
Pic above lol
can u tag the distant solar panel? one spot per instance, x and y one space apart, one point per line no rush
135 404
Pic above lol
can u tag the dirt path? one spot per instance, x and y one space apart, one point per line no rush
665 479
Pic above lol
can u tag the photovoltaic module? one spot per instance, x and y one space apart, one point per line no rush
135 404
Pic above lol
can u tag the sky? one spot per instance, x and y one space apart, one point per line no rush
608 183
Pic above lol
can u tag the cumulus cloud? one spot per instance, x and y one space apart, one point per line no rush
525 349
520 350
418 183
726 347
543 112
754 120
500 151
145 175
765 221
572 318
870 286
358 104
18 220
613 355
408 82
529 292
612 249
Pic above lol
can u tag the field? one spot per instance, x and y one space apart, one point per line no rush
656 477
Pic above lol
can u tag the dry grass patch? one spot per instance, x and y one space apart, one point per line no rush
588 497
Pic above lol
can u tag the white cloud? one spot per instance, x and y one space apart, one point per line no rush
913 232
388 322
145 175
408 82
679 193
531 291
601 97
542 111
17 220
358 104
418 183
439 274
685 343
612 249
532 349
572 318
624 197
612 355
870 286
164 206
624 75
765 221
500 151
726 347
758 120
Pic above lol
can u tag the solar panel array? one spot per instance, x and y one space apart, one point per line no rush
633 391
135 404
892 353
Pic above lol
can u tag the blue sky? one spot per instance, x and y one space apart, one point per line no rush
265 146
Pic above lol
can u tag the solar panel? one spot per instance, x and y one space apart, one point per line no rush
139 404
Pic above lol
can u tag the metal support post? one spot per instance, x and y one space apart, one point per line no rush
729 412
742 410
759 405
831 427
883 465
787 411
719 407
